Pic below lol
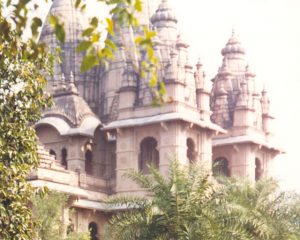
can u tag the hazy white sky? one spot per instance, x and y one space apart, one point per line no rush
270 32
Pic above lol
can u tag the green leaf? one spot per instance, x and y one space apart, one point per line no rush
53 20
110 44
36 23
94 22
87 32
60 32
95 37
138 5
83 46
77 3
88 62
110 26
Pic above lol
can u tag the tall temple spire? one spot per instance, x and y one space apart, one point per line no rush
234 76
74 21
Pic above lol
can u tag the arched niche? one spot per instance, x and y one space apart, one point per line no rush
53 153
190 151
47 134
149 154
89 162
93 230
64 157
258 169
220 167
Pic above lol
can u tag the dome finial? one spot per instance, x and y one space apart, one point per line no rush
199 63
72 78
164 14
233 32
233 45
72 86
264 89
63 80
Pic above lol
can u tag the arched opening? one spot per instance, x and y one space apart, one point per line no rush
70 227
149 155
88 162
190 152
93 229
53 153
258 169
220 167
64 156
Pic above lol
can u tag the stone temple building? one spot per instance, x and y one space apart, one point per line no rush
103 122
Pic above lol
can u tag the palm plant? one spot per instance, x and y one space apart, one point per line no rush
266 212
187 204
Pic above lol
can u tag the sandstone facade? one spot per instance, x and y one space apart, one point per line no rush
103 122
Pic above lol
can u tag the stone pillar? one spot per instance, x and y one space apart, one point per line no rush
205 148
76 158
243 161
127 158
172 145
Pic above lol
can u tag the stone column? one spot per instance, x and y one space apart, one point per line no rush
127 158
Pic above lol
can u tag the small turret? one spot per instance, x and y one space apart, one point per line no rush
202 92
220 109
71 86
267 119
171 72
128 87
250 77
165 21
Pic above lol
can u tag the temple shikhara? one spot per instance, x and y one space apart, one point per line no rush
103 122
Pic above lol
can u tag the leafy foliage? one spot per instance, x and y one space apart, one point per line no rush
189 204
22 82
21 99
185 205
48 218
97 51
270 214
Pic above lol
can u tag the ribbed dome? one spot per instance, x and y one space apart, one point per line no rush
164 13
233 46
74 22
69 106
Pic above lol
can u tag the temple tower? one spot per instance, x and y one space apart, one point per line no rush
75 21
240 107
180 128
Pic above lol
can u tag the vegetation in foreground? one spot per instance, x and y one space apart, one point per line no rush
190 204
21 99
23 67
49 223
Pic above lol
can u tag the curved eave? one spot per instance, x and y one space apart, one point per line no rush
86 128
71 190
246 139
99 206
125 123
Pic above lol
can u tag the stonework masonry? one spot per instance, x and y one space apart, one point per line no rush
103 122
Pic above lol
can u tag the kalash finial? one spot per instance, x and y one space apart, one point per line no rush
72 78
72 86
63 81
233 32
199 63
264 90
